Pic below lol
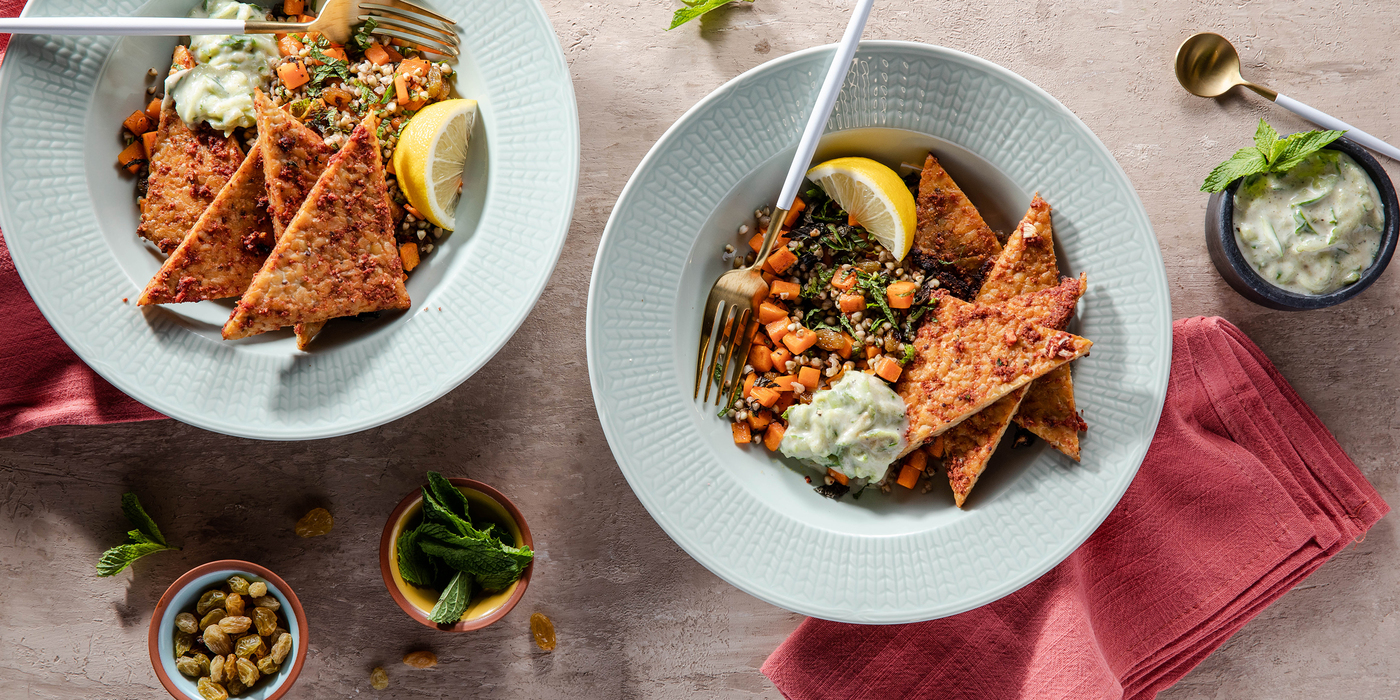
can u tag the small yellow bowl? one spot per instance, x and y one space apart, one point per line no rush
484 609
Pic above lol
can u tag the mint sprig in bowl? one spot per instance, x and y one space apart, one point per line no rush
1300 222
456 555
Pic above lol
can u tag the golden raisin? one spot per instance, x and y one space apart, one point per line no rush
378 678
543 630
421 659
316 523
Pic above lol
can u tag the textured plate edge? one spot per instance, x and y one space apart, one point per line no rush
1056 556
270 433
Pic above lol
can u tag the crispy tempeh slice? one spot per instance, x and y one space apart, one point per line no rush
969 445
337 257
226 247
951 242
307 331
1049 411
189 167
1017 271
968 356
296 158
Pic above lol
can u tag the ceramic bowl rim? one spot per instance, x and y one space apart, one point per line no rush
386 541
1221 214
276 582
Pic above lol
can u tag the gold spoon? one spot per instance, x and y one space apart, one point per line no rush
1207 65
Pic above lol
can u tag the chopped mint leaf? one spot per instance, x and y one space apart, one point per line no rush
362 36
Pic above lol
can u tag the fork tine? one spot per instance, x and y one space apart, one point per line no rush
706 330
445 36
383 12
417 41
735 378
401 6
741 324
724 332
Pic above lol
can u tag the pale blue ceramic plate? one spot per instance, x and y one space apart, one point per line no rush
69 218
750 518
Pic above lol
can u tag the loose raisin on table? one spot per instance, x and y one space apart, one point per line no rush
184 641
212 618
238 584
378 678
216 669
257 589
268 602
315 523
265 620
186 622
421 659
235 625
267 666
248 672
249 645
209 690
543 631
283 646
233 604
209 601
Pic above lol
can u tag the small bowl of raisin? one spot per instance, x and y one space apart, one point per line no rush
228 629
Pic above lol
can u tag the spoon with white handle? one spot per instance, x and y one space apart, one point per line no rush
1207 65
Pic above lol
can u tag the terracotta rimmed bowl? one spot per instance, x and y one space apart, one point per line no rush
186 591
483 501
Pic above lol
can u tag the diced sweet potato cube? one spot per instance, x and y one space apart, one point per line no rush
783 289
781 259
769 312
409 253
742 436
808 377
888 370
799 340
766 396
138 123
773 436
850 303
760 358
838 476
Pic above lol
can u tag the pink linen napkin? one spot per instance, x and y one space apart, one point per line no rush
42 382
1243 494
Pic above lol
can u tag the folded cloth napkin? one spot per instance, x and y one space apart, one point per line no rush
1243 494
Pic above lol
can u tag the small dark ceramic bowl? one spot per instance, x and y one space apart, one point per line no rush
1225 253
418 602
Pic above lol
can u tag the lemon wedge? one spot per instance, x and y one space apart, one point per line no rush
431 156
874 195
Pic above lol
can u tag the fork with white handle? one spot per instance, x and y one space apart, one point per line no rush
414 25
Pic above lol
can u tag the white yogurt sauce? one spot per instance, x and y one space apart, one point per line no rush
856 427
219 89
1313 229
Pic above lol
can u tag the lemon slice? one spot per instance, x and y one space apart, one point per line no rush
430 158
874 195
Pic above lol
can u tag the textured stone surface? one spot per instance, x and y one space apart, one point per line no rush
635 616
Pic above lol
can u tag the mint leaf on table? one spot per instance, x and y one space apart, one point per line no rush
1270 154
695 8
453 601
145 539
136 515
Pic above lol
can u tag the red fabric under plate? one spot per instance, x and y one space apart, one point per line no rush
1243 494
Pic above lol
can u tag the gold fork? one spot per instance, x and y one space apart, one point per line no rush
733 301
414 25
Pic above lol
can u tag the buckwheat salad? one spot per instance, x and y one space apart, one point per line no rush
839 303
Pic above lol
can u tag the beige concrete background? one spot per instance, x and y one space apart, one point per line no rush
635 616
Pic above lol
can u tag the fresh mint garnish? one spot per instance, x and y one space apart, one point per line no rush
1270 154
145 539
695 8
453 601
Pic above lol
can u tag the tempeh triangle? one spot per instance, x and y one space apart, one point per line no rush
296 158
337 256
188 168
951 242
968 356
225 249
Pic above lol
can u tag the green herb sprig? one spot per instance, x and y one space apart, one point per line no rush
447 551
145 539
1270 154
694 9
